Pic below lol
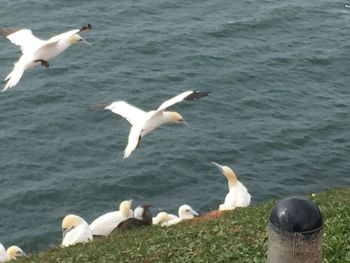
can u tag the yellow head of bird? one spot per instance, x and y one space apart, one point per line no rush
73 39
71 221
14 251
125 208
228 172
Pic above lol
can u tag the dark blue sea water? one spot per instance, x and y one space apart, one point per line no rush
278 110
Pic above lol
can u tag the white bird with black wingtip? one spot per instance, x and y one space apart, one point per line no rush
36 51
144 122
238 195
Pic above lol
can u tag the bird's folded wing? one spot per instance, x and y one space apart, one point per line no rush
133 114
23 38
187 95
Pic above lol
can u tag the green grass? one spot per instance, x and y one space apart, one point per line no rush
237 236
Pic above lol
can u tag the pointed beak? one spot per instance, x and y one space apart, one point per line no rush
64 233
218 166
84 41
186 123
21 254
194 213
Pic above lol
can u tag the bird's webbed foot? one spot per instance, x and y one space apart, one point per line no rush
44 63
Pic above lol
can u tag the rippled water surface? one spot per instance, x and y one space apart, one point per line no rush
278 110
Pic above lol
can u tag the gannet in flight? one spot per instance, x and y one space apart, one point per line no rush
184 212
36 51
104 224
238 195
143 122
75 230
11 253
142 217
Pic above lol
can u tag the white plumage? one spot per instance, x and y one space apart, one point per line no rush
36 51
3 256
75 230
238 195
144 122
14 252
106 223
165 219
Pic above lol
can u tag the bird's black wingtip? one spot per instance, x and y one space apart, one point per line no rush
86 28
197 94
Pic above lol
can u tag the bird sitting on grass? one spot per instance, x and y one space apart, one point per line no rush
238 195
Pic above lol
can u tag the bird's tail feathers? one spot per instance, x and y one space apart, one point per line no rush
15 75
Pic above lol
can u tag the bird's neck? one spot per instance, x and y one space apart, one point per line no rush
231 180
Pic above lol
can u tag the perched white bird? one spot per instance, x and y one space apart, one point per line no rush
238 195
75 230
144 122
185 212
36 51
14 252
11 253
104 224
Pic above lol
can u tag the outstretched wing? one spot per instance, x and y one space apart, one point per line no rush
133 141
55 39
133 114
59 37
187 95
23 38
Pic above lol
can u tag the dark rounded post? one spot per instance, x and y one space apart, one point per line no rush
295 232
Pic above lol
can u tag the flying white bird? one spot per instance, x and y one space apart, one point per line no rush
36 51
143 122
75 230
165 219
104 224
11 253
238 195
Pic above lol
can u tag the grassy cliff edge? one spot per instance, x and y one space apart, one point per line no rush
235 236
